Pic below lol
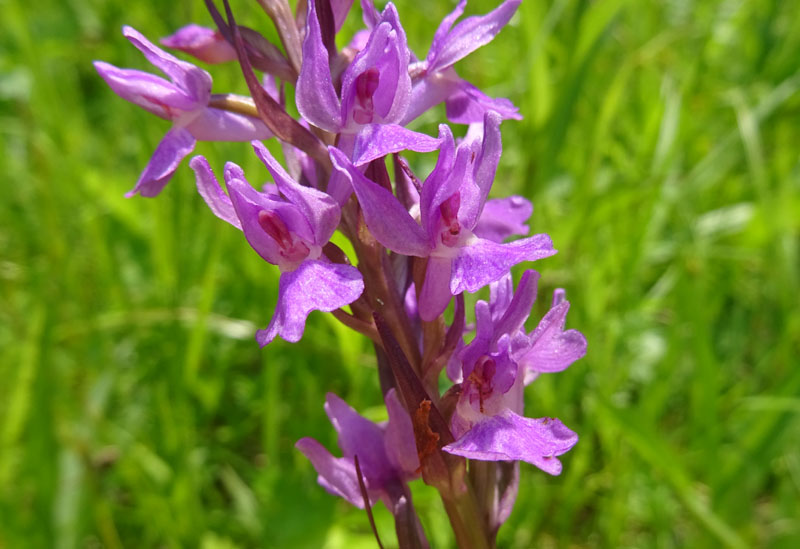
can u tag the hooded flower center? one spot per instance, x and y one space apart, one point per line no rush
290 246
480 382
452 228
366 85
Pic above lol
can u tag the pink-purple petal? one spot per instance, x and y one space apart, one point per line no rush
485 165
467 104
204 43
469 35
378 140
444 28
148 91
508 436
320 209
176 145
336 475
386 218
316 97
435 294
359 436
551 348
504 217
314 286
519 308
195 81
484 261
218 125
209 188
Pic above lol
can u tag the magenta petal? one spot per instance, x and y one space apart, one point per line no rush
336 475
429 92
247 203
359 436
484 261
378 140
440 183
467 104
469 35
508 436
218 125
204 43
176 145
435 294
518 310
194 80
209 188
401 446
370 15
486 165
504 217
386 218
313 286
479 345
444 28
320 209
234 171
387 53
553 349
150 92
316 97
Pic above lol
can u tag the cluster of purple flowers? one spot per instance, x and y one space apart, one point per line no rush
419 243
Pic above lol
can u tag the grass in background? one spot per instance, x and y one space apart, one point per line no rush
660 149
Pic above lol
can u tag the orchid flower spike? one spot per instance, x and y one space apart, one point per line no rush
184 100
289 230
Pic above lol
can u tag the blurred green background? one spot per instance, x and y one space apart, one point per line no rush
660 147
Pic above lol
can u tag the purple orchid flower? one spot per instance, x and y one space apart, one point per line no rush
184 100
288 231
452 200
387 456
375 92
205 44
488 421
436 81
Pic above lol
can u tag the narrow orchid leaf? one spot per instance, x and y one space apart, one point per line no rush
327 25
274 116
281 15
365 496
408 383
